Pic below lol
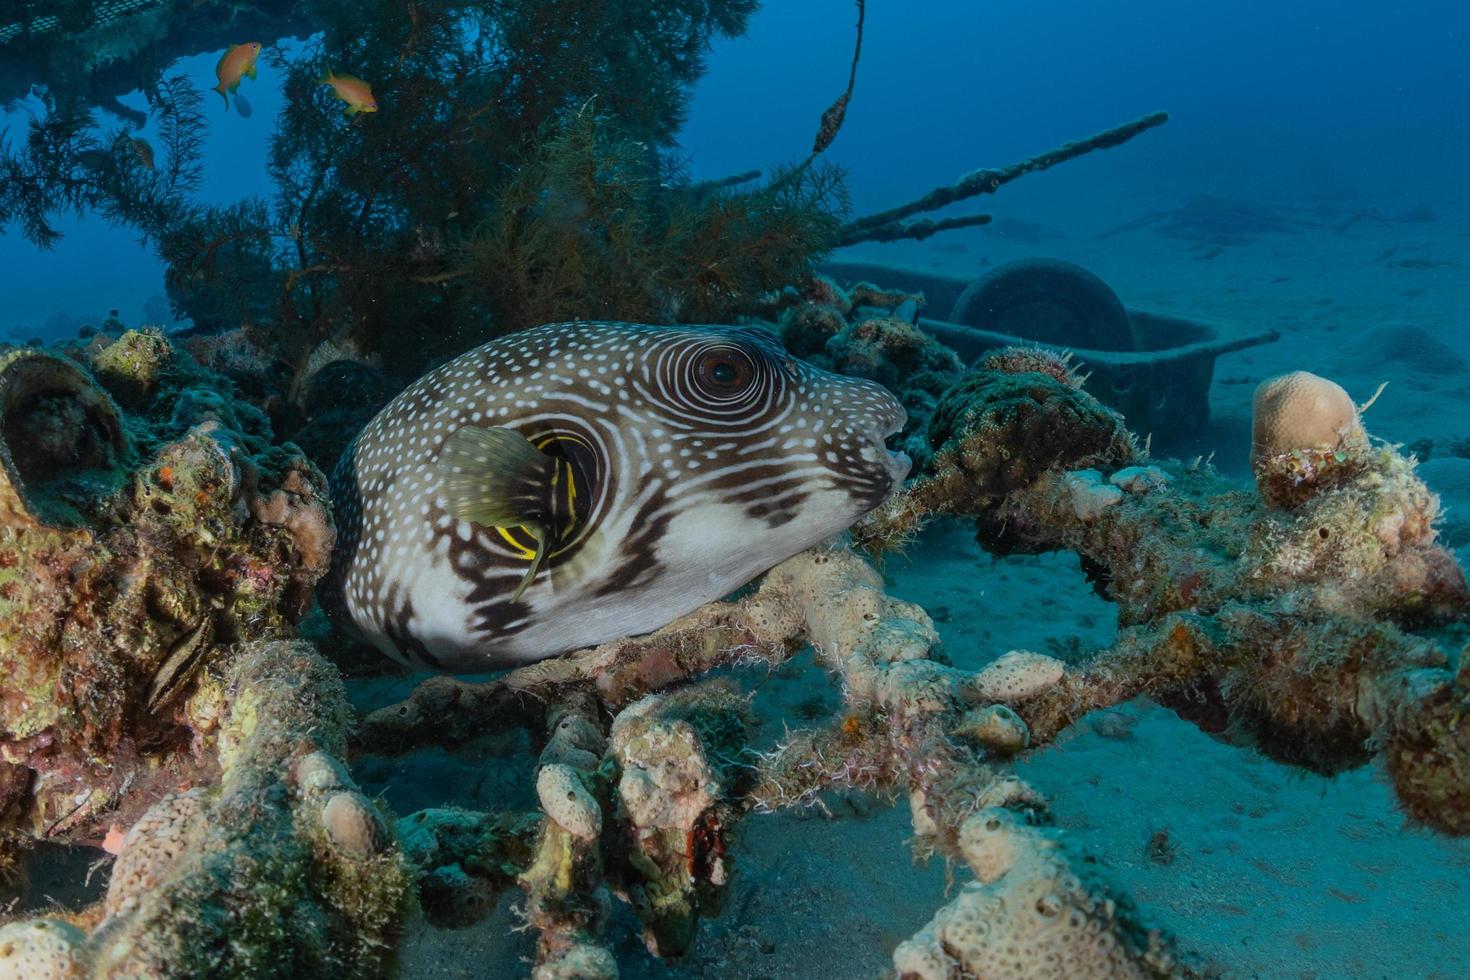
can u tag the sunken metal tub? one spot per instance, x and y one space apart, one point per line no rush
1161 386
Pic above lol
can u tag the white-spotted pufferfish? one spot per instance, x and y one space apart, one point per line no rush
580 482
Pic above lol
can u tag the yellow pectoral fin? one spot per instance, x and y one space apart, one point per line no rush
571 503
251 71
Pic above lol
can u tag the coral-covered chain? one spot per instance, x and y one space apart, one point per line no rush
1287 615
567 900
640 809
914 725
935 731
1286 612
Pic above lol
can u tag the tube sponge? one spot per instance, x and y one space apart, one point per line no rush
567 802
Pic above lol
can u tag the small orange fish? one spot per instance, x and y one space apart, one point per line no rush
236 63
144 151
354 91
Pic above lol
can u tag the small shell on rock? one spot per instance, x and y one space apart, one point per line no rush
1112 724
1138 479
319 772
1089 495
116 839
995 727
1017 675
924 824
353 824
567 802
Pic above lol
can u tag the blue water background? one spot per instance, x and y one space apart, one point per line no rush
1304 101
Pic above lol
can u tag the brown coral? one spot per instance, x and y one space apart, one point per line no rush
1300 410
1305 435
999 431
1040 360
129 561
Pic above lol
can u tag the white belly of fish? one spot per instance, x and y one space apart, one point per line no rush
704 556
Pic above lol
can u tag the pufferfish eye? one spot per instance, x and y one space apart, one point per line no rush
724 371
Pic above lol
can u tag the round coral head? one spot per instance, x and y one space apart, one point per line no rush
1299 411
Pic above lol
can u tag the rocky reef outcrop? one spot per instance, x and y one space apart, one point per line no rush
157 547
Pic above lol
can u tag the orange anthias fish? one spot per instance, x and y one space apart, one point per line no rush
236 63
354 91
144 151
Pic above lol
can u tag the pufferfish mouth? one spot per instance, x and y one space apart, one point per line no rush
897 461
899 464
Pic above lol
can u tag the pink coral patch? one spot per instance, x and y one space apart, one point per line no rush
113 842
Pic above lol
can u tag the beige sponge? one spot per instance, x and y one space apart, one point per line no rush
353 824
43 949
160 839
1029 914
567 802
1017 675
